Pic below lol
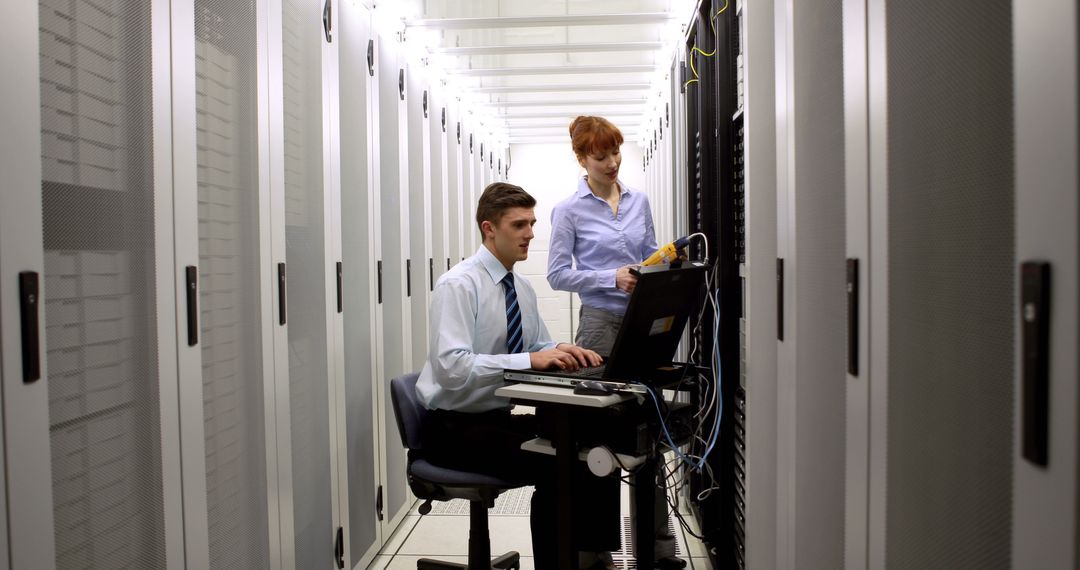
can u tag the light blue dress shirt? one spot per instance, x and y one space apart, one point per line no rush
467 339
583 227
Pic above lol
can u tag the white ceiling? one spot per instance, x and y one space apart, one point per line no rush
536 64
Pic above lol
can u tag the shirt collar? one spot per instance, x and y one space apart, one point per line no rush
584 190
491 263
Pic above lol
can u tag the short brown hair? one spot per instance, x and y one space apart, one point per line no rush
590 135
497 198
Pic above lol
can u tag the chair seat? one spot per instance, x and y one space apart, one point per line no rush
422 469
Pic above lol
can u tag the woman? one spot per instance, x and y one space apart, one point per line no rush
597 234
605 228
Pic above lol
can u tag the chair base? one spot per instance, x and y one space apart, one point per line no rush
510 560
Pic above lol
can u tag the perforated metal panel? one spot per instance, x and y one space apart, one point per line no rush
819 294
229 271
100 314
951 252
306 283
358 200
393 140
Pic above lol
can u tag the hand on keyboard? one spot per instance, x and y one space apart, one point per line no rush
552 358
583 356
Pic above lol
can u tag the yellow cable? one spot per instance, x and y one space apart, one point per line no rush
697 49
713 21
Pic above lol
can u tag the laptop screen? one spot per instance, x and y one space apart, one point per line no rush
653 325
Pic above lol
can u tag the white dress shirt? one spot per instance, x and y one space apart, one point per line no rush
467 340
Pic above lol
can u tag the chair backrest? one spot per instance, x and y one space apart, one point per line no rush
408 410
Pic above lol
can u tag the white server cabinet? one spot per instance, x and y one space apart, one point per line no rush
440 207
364 380
456 218
395 219
421 230
759 279
470 172
302 167
857 200
937 196
222 195
91 413
1044 497
810 242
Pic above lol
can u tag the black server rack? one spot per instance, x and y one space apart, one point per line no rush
716 203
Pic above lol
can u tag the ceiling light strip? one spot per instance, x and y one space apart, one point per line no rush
561 88
553 70
540 21
548 48
566 102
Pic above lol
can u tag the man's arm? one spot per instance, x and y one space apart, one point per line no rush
454 361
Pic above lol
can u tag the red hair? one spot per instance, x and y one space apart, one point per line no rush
589 135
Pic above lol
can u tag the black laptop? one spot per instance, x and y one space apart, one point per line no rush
650 333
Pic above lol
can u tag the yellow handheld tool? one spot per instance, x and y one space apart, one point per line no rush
667 253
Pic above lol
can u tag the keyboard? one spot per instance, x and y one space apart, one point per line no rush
591 371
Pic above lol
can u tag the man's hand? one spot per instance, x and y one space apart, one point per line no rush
553 358
624 280
583 356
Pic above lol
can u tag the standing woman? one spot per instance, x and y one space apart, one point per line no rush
597 234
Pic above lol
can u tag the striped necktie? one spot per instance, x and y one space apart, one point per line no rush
514 341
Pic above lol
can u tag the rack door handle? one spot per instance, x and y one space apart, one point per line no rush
340 292
1035 361
327 21
191 288
29 303
281 293
431 273
371 57
780 299
853 316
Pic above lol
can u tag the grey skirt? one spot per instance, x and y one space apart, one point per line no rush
597 329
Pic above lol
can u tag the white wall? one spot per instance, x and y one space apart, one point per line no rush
550 172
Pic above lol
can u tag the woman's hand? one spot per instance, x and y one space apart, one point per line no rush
624 280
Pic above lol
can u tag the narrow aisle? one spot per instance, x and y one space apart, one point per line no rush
444 534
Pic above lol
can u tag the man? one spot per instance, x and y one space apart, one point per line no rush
484 319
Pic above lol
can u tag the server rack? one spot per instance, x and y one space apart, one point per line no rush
715 202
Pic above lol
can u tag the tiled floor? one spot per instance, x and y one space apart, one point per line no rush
443 534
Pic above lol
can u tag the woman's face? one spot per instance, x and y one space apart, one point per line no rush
602 166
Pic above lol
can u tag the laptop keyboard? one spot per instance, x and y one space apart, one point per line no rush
591 371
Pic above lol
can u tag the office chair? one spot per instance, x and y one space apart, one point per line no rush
431 482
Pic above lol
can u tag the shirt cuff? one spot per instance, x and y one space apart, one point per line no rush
607 279
519 361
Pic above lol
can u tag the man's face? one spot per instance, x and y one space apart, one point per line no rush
509 239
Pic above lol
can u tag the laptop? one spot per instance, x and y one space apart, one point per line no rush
651 329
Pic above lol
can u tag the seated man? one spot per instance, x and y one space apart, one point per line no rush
484 319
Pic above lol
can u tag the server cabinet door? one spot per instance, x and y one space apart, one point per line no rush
108 359
440 228
857 229
457 220
359 253
812 245
397 314
307 535
1045 521
226 343
421 229
25 481
943 293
